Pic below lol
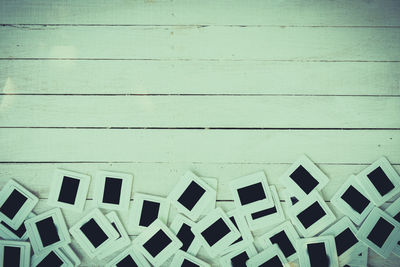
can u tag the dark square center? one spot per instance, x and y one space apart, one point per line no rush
69 190
191 195
380 181
13 204
304 179
94 233
311 215
157 243
251 193
112 190
215 232
355 199
149 213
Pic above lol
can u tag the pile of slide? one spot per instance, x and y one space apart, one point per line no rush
257 232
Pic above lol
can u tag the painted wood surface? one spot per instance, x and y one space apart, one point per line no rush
201 43
208 12
201 111
123 77
223 88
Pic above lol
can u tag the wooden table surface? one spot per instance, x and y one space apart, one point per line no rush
224 88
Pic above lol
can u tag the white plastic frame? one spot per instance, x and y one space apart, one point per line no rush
248 180
359 260
243 228
176 225
71 255
393 210
180 256
330 249
345 208
249 248
372 192
336 229
25 248
220 246
85 243
26 208
369 224
126 189
83 188
290 232
131 251
269 220
35 238
317 226
200 205
38 258
213 182
167 252
8 234
136 211
310 166
266 255
287 195
121 242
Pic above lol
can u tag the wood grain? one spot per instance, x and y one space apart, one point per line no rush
227 12
217 146
90 85
201 43
200 111
198 77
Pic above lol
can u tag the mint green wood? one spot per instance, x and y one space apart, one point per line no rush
330 68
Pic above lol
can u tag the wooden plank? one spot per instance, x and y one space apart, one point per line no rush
198 77
201 43
172 145
160 178
254 12
200 111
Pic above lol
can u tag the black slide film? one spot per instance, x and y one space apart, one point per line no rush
69 190
304 179
273 262
397 217
240 260
251 193
344 241
186 236
47 231
13 204
294 200
187 263
263 213
157 243
127 262
380 181
191 195
51 260
215 232
19 232
317 255
12 257
380 232
94 233
112 190
311 215
355 199
149 213
282 240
